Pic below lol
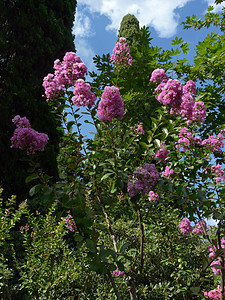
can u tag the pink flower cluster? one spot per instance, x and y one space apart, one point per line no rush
187 140
121 54
153 196
66 73
162 153
26 138
142 180
214 143
167 172
111 105
200 227
137 129
212 255
159 75
82 94
180 99
70 224
219 174
185 227
214 294
118 273
170 93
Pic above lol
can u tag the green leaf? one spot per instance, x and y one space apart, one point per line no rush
157 142
106 176
90 244
35 189
177 41
114 188
78 238
124 247
31 177
144 145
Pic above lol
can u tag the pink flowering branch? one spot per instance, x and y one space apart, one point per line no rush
222 273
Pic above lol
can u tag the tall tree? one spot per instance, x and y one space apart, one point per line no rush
32 35
130 29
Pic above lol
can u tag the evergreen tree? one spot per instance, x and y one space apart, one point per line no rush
130 29
32 35
144 62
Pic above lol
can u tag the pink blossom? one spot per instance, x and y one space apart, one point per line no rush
121 54
178 98
82 94
214 143
111 105
21 122
199 112
199 227
26 138
219 174
153 196
171 94
186 140
159 75
212 254
70 224
185 226
187 106
214 294
167 172
142 180
137 129
118 273
162 153
65 75
190 87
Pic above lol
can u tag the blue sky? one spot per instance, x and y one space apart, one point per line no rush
97 22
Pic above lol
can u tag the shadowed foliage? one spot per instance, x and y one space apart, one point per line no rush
32 35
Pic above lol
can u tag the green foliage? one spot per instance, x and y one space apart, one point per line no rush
208 68
129 29
50 269
9 218
120 246
32 35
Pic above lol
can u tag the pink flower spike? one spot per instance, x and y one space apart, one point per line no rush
185 226
111 105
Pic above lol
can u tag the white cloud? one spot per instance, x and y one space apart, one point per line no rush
85 52
82 26
218 7
159 14
212 222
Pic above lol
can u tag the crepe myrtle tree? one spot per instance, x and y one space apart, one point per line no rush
167 165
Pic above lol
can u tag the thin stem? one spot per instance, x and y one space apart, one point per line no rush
78 128
132 289
149 143
114 148
114 285
141 240
106 217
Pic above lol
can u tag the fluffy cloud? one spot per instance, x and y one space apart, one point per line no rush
85 52
218 7
82 25
159 14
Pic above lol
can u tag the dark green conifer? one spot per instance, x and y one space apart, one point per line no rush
130 29
32 35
